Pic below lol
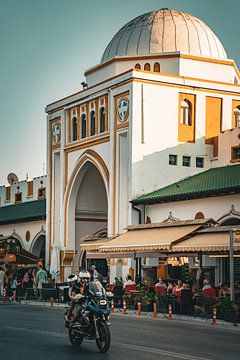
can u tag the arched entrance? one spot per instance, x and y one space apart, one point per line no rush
38 246
91 210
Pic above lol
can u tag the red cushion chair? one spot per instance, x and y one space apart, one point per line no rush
160 289
129 288
111 287
210 292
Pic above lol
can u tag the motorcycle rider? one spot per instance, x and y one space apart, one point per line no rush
78 297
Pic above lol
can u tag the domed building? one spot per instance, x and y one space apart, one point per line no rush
162 105
164 31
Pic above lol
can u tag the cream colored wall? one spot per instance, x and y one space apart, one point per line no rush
207 70
167 66
101 149
155 132
227 139
23 188
161 139
20 229
214 207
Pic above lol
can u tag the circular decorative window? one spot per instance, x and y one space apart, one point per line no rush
123 109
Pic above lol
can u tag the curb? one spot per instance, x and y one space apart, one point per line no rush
134 313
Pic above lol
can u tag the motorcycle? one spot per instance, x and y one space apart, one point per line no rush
93 320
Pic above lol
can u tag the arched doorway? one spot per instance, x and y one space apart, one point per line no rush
91 211
38 246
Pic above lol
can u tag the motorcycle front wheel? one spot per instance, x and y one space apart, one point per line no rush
104 340
75 339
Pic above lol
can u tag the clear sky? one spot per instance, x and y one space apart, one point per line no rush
46 45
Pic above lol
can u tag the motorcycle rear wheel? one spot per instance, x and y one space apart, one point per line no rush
75 339
104 341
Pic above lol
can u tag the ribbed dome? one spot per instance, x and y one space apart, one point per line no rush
164 31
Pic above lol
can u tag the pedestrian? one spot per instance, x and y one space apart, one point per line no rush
224 291
14 285
2 280
26 283
41 278
206 284
95 273
129 281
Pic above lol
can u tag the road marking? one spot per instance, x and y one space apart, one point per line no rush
38 332
161 352
128 346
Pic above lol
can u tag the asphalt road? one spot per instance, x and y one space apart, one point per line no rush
35 332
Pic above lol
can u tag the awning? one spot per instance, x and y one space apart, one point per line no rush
91 245
206 241
103 255
149 238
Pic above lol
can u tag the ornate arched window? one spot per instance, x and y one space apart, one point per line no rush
92 122
83 126
74 128
147 67
156 67
237 116
199 215
138 66
186 112
102 119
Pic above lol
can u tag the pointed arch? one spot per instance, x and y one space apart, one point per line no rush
89 156
42 232
18 237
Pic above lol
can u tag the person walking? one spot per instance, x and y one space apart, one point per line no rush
14 285
2 280
41 278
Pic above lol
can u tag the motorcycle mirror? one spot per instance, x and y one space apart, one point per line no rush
109 294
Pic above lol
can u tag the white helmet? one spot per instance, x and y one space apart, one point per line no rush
72 278
84 275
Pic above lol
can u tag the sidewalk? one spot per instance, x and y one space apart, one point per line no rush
130 313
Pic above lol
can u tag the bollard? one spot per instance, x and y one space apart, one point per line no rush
214 320
51 301
154 310
170 312
112 306
124 307
4 296
139 309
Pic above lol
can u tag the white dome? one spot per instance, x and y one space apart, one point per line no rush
164 31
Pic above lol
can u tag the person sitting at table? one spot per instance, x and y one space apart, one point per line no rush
161 283
206 284
170 287
177 289
129 281
224 291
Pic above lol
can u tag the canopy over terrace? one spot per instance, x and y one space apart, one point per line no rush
146 238
11 251
212 240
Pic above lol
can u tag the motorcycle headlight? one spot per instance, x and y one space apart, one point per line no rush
103 302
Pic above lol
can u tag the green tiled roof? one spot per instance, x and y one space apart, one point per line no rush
31 210
216 181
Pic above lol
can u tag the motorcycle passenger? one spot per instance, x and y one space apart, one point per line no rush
79 298
74 288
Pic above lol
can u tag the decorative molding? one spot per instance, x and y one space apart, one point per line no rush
171 218
231 214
